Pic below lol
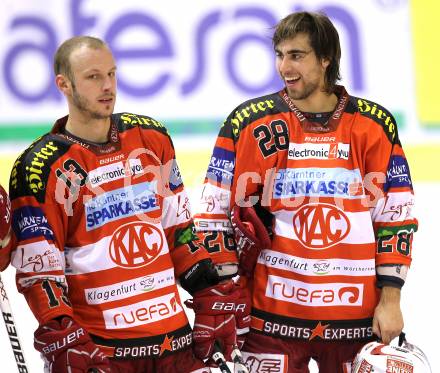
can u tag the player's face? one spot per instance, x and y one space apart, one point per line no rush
300 69
94 86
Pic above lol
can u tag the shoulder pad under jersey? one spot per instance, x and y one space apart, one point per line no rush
379 115
31 170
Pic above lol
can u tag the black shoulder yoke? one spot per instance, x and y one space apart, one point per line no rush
380 115
126 121
31 170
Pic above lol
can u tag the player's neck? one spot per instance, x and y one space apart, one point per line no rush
92 130
319 102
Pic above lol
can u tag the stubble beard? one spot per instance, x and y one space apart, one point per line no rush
309 88
83 105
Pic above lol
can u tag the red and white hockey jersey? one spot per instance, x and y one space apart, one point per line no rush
102 233
341 196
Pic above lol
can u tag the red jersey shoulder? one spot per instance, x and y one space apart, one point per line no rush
379 115
31 170
250 111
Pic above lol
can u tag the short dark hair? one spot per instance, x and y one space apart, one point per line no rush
61 62
323 37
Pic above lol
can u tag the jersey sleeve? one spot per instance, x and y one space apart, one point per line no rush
39 224
230 179
185 247
390 188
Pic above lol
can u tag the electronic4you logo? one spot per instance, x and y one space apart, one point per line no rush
136 245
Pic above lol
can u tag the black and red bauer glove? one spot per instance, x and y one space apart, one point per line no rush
67 348
243 312
251 236
218 311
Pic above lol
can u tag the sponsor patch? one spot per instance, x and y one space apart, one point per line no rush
37 257
136 244
115 171
315 267
394 207
396 365
318 182
265 363
214 200
321 330
319 225
30 222
397 173
142 313
129 288
314 295
120 203
204 224
175 176
337 150
221 166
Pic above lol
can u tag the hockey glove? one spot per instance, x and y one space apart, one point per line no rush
215 309
251 237
67 348
243 312
5 228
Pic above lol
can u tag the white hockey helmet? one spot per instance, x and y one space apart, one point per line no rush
376 357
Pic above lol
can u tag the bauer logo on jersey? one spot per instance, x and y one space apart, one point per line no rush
318 182
141 313
115 171
120 203
314 295
319 151
397 173
30 222
221 166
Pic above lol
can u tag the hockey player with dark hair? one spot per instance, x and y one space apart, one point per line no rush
104 235
326 265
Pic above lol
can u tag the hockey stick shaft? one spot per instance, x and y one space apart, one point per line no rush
12 330
239 365
219 358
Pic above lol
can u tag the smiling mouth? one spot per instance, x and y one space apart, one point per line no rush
291 80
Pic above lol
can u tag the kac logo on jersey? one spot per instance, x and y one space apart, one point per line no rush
136 245
320 225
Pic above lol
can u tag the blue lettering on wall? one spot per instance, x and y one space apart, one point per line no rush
162 48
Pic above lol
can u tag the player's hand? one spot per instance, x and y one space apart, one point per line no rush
251 237
388 319
215 309
67 348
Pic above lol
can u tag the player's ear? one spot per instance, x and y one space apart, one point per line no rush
325 62
62 83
